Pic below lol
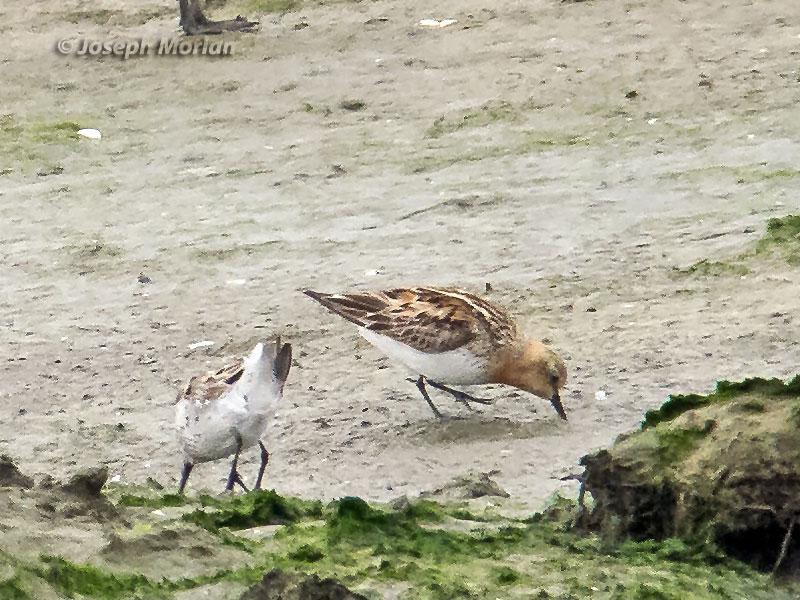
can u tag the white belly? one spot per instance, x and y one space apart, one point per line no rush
212 433
459 367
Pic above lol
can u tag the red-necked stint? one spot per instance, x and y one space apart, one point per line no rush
449 336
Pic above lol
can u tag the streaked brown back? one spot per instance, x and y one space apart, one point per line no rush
428 319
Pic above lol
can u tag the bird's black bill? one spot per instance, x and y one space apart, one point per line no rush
556 402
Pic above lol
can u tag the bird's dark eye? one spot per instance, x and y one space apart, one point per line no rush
554 378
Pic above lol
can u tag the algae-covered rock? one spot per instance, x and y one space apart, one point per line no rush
723 468
277 585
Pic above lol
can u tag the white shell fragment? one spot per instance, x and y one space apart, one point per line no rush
600 395
92 134
436 24
201 344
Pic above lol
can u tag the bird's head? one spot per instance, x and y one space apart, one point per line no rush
535 368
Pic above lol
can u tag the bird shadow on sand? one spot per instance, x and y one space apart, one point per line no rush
478 427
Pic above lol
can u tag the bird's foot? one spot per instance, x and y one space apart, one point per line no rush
235 479
460 396
420 383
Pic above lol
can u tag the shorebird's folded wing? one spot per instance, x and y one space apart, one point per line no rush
356 308
424 322
201 389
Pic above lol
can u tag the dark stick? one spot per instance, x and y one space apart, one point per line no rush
264 461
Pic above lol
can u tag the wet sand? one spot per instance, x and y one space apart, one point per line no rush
573 155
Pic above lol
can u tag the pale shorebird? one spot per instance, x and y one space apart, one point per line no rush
449 336
224 412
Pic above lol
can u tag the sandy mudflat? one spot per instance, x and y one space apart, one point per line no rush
500 149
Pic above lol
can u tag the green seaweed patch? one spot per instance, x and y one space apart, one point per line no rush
505 575
742 174
698 553
167 500
464 514
356 523
434 158
484 115
674 444
76 581
536 141
726 390
258 508
307 553
27 139
87 581
753 406
714 268
12 589
373 546
51 133
781 239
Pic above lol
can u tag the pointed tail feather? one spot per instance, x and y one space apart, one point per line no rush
353 307
283 361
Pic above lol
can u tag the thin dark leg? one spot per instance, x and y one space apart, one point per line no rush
234 476
460 396
187 468
264 461
421 387
241 483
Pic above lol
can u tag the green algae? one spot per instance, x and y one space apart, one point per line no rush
58 132
673 444
12 589
258 508
678 404
76 581
484 115
780 241
26 140
167 500
741 174
378 548
505 575
714 268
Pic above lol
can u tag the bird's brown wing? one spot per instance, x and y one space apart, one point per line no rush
204 388
431 320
